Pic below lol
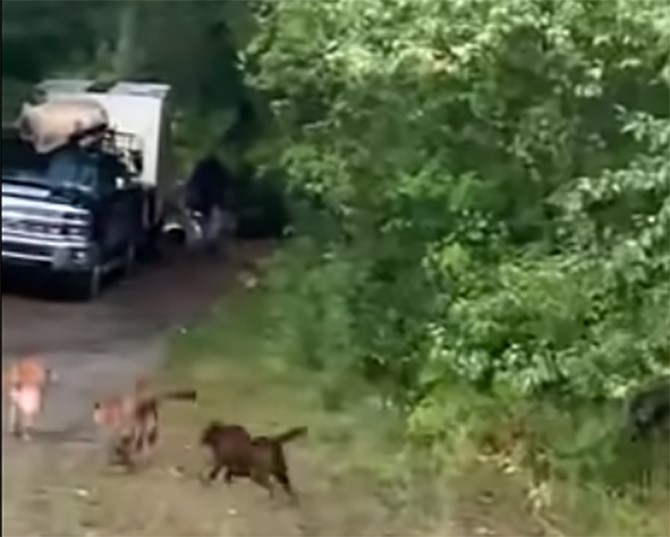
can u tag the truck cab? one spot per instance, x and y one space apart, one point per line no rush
73 211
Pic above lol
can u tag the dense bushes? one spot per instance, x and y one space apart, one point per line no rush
496 185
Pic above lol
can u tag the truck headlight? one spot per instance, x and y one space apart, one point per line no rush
75 232
80 256
78 218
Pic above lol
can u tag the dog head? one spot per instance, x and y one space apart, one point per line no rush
211 433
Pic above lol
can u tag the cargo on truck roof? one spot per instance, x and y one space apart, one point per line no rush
53 124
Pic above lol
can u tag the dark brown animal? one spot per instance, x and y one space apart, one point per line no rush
260 458
131 422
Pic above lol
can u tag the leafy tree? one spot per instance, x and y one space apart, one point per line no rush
496 174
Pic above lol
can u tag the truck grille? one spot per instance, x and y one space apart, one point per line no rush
26 249
30 227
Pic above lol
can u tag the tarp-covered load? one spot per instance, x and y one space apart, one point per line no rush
55 123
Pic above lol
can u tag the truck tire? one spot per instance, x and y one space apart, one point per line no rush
87 285
149 249
129 258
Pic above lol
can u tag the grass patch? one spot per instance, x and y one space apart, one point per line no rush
362 470
348 471
351 470
497 450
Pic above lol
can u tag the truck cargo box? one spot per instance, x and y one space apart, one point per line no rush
140 109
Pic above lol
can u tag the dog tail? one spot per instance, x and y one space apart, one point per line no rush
291 434
179 395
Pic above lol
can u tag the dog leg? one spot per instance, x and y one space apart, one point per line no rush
228 478
27 423
262 479
285 482
280 472
14 425
212 474
122 453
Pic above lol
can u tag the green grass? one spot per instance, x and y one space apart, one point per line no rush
352 457
360 453
593 474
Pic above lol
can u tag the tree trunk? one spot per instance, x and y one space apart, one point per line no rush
126 41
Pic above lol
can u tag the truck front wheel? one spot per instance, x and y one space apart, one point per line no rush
129 258
150 229
87 285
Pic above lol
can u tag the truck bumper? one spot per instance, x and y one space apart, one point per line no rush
55 256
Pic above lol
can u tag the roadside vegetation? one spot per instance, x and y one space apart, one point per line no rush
479 247
350 469
481 193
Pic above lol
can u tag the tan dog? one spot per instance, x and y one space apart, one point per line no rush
26 380
131 422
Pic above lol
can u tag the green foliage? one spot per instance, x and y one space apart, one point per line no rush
314 305
500 173
496 183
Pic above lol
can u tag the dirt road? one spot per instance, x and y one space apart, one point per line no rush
97 348
59 484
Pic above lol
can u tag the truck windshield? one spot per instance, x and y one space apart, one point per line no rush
64 167
70 168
